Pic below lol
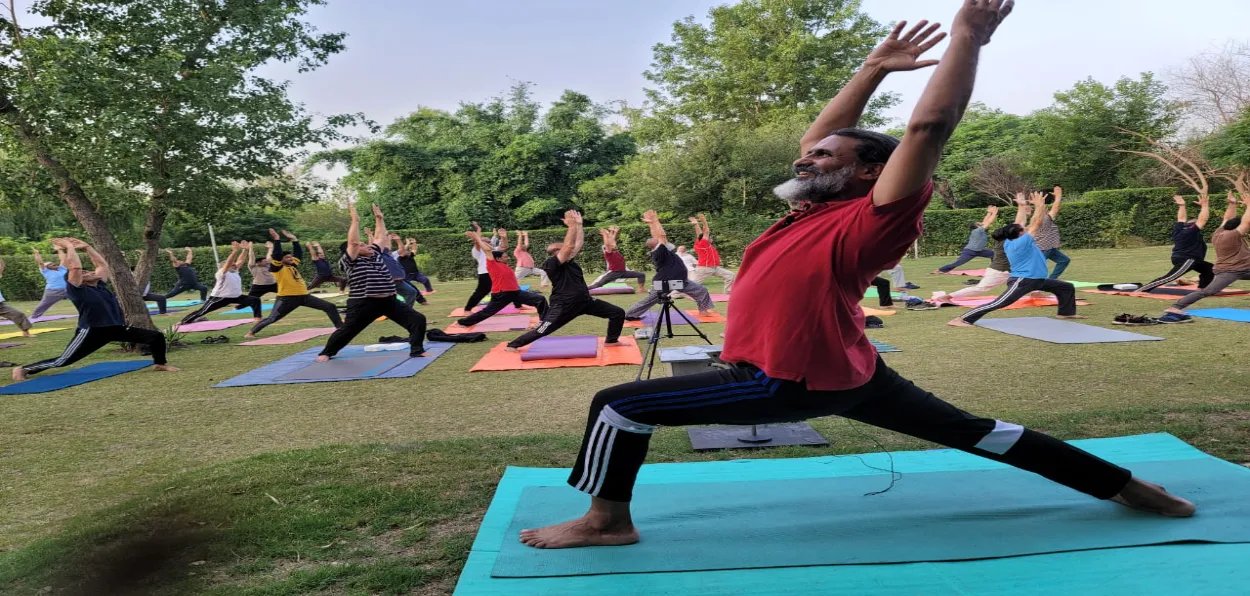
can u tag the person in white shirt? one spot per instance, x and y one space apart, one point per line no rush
691 262
229 287
483 278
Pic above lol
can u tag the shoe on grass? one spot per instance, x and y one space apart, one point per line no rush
1171 318
911 286
926 305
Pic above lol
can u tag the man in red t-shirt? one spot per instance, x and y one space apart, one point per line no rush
709 258
504 289
863 195
616 262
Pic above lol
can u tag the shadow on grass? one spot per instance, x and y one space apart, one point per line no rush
398 519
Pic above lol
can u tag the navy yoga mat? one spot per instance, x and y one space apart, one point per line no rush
926 517
1240 315
1058 331
92 372
270 373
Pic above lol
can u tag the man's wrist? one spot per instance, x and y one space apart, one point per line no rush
873 72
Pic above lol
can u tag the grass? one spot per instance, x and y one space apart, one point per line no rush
156 483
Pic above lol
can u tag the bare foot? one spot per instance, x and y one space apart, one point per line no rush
19 373
960 323
1150 497
707 313
255 319
1070 317
323 358
164 368
249 335
937 272
27 333
589 530
511 349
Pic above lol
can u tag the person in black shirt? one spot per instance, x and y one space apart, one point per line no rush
570 298
372 291
668 267
1189 248
324 272
100 320
408 260
188 279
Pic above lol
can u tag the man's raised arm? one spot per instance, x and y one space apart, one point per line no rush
1204 210
991 214
1022 209
1039 210
573 238
69 260
897 53
39 258
353 232
1058 204
245 255
652 219
1230 211
1182 215
1244 228
942 104
707 230
190 255
234 254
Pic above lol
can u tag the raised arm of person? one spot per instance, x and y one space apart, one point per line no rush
991 214
70 261
698 231
573 238
652 219
274 266
1204 210
1182 215
503 239
172 259
942 104
1231 211
380 236
353 233
476 228
1022 209
251 254
189 257
1039 209
899 52
707 230
245 255
101 268
1245 218
234 254
296 250
521 243
1058 204
39 258
609 239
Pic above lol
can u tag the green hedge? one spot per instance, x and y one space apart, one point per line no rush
444 254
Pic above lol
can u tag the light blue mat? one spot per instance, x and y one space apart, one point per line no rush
53 381
1059 331
266 307
270 373
173 303
883 347
1240 315
1169 569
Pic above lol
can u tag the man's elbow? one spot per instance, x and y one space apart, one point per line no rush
934 126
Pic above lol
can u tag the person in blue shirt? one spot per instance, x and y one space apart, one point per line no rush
1028 270
53 283
100 320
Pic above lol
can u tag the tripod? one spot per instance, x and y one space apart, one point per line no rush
665 320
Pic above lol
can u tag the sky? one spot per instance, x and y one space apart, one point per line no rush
402 54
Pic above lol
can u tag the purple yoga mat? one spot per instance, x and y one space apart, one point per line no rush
44 318
649 318
571 346
3 346
212 325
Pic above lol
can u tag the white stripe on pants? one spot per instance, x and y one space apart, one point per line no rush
69 352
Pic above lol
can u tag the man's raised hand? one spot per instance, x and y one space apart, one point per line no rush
1203 200
273 234
1039 198
1232 199
899 51
978 19
572 218
650 216
1021 200
289 236
1179 200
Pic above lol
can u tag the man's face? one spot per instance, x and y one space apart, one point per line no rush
54 266
288 260
364 250
554 248
830 171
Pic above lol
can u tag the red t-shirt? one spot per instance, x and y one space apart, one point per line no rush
502 278
824 258
616 262
708 255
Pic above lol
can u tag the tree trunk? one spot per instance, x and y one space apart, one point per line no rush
129 294
152 229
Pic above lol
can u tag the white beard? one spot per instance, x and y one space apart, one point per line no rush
820 189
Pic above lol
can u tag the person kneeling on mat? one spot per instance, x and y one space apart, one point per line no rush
100 320
570 298
1028 271
504 288
807 356
229 287
371 290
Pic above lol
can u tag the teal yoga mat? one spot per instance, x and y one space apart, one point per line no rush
1166 569
872 293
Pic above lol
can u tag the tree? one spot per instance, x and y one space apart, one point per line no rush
985 147
504 162
1073 138
756 58
1229 152
160 95
999 177
1215 85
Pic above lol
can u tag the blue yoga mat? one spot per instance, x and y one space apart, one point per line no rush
270 373
1164 569
268 306
173 303
883 347
70 378
1240 315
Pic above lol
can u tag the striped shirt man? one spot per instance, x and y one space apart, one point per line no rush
368 276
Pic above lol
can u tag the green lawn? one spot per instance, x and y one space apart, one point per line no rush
158 481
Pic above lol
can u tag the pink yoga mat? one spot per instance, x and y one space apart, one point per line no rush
496 323
968 272
290 337
211 325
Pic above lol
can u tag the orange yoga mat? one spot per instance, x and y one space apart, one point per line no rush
1026 302
500 359
694 314
507 310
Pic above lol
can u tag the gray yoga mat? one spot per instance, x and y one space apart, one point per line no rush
935 516
359 367
1059 331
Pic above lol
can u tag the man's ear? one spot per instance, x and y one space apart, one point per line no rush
870 172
